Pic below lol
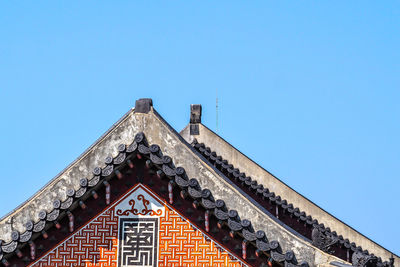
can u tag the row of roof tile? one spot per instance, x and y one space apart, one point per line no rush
177 177
322 237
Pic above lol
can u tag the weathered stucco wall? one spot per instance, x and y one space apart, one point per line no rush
157 131
246 165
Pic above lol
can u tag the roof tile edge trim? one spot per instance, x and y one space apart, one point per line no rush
322 237
178 177
10 214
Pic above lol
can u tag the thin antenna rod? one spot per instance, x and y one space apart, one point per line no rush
216 107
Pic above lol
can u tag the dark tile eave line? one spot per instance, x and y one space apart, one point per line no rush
226 179
20 206
394 254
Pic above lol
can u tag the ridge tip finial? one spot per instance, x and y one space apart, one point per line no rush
143 105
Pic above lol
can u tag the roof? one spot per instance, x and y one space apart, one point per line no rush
270 191
212 187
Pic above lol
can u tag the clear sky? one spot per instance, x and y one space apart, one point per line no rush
310 90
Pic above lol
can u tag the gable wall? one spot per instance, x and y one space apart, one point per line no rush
159 132
178 242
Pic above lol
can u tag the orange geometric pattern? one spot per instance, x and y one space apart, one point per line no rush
93 245
183 245
179 244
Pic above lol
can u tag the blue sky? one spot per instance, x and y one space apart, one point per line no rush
309 90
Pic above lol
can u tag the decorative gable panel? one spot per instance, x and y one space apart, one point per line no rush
138 230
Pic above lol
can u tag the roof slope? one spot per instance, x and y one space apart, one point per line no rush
145 120
213 146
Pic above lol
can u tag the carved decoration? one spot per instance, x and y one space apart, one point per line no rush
42 215
134 211
323 240
181 180
52 216
97 171
143 149
92 182
168 170
194 189
107 170
234 222
29 226
80 192
83 182
26 236
221 214
56 204
39 226
10 247
361 260
120 158
15 235
67 203
132 147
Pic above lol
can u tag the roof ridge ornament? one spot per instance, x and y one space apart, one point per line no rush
195 119
195 113
143 105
